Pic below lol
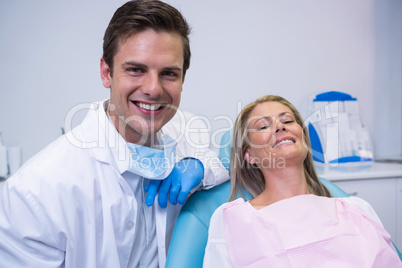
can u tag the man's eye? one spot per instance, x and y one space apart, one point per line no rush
134 70
168 73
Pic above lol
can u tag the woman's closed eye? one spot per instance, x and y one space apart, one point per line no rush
288 121
264 126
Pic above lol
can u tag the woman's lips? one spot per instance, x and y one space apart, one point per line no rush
283 141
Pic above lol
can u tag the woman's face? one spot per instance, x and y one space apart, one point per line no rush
276 139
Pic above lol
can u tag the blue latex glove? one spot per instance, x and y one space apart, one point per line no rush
185 175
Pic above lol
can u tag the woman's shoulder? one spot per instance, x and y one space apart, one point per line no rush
216 231
226 205
217 216
363 206
356 201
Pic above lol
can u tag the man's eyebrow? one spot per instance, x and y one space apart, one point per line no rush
172 68
143 66
134 63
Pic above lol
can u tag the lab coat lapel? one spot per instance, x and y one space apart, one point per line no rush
98 132
161 216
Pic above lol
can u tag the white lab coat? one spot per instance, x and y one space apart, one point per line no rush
69 205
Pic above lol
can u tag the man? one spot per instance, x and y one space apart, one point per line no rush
87 200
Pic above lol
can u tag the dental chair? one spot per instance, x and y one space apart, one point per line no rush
190 233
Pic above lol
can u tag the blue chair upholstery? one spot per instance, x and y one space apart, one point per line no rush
190 233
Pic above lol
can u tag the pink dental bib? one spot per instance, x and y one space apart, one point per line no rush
305 231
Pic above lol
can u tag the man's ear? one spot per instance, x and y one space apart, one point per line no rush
248 156
105 74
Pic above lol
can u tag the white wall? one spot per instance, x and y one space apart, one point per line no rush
50 52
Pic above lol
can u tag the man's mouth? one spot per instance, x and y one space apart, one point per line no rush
149 107
283 142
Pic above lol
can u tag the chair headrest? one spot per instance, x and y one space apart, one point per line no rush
226 148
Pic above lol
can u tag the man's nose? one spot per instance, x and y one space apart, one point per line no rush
152 85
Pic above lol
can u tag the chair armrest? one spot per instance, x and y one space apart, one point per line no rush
397 251
188 242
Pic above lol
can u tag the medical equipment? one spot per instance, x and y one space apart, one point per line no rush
337 132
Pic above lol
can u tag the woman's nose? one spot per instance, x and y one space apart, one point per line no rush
279 127
152 85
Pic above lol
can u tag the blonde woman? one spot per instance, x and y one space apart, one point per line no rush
292 220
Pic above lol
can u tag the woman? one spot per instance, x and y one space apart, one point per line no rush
291 221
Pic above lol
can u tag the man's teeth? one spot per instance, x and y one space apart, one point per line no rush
282 142
150 107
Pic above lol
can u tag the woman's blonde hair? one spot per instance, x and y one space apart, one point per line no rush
246 176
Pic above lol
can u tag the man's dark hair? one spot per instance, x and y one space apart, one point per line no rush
140 15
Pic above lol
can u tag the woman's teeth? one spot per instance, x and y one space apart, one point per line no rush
149 107
282 142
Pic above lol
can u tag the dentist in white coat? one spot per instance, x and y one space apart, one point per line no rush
87 199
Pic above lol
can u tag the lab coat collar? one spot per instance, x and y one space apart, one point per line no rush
100 137
117 144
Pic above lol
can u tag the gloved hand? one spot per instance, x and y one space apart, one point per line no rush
185 175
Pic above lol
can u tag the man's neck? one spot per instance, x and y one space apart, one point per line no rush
130 135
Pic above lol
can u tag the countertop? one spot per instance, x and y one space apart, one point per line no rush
374 170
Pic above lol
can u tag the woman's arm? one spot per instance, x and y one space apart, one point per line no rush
216 251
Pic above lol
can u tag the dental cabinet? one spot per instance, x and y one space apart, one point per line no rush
380 184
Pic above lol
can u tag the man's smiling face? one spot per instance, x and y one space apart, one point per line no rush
145 85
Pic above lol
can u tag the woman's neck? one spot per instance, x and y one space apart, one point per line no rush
281 184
